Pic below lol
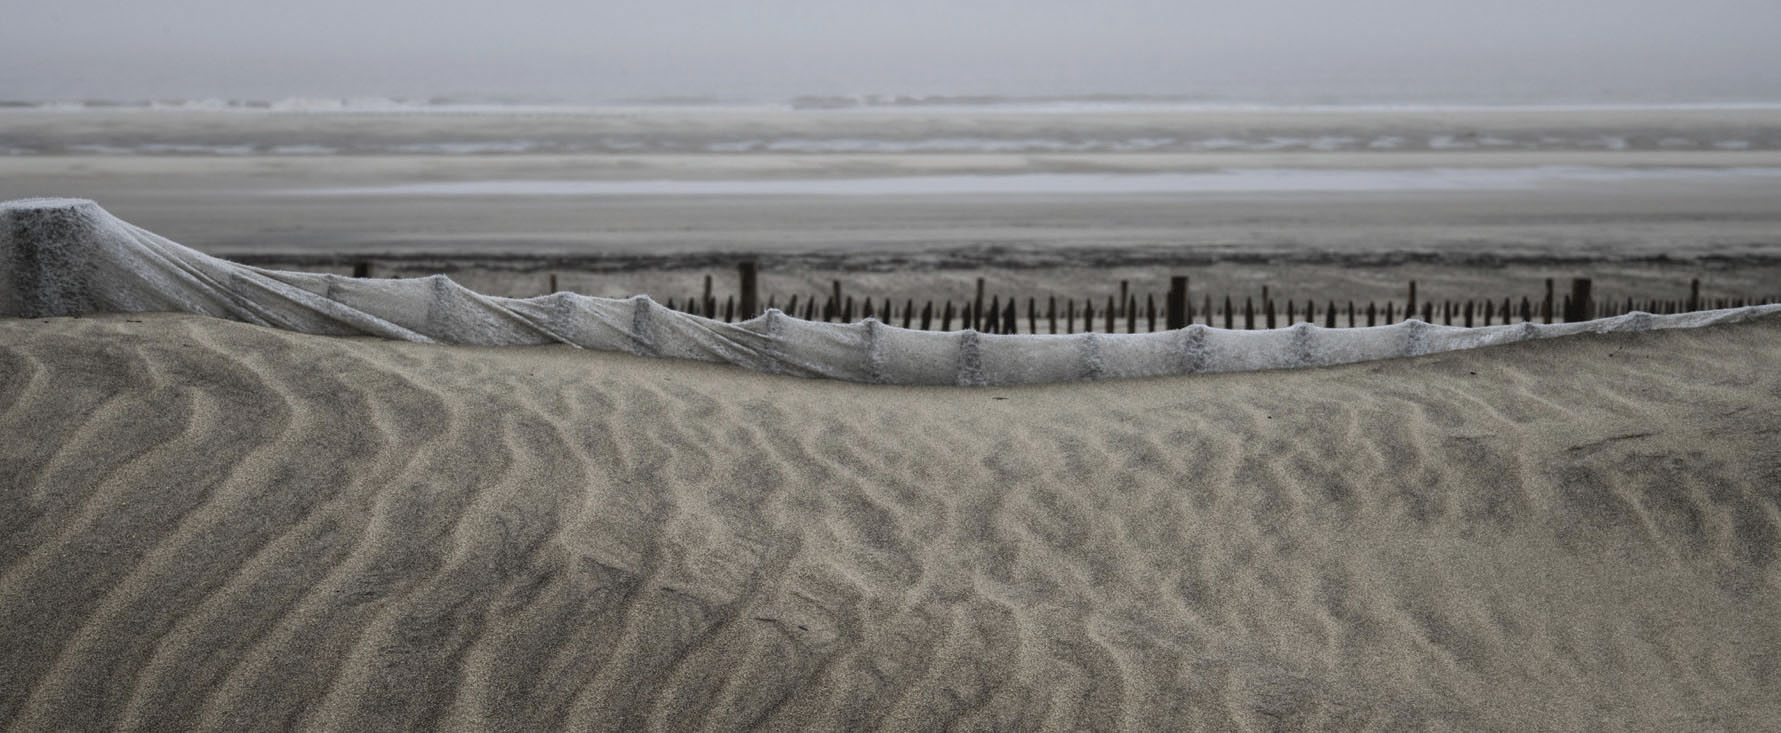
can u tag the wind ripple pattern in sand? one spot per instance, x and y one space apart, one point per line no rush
216 526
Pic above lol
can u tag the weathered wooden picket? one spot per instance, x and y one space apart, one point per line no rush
1126 312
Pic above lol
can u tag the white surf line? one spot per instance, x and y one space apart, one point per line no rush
1234 180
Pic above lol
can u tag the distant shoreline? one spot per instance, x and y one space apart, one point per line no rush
747 130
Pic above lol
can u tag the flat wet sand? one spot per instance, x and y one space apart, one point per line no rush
1643 236
1641 241
261 205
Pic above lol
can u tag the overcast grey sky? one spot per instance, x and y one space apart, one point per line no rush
1638 50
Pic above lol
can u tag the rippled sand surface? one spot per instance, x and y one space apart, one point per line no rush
209 525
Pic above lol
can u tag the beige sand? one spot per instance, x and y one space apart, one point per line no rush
211 525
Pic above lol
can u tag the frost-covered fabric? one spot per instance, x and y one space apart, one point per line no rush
69 256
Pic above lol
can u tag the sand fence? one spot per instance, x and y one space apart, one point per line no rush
67 257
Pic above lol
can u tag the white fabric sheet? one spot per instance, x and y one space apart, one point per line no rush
69 256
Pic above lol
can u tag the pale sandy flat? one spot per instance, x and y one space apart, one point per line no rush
1667 195
1640 240
208 525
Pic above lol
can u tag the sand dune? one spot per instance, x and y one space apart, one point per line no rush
210 525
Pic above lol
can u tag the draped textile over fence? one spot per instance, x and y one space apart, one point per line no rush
69 256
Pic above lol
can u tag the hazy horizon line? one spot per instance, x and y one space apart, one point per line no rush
893 100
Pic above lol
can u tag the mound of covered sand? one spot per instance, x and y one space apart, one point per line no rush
213 525
70 257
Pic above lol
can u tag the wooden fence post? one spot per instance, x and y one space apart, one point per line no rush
1694 294
1410 307
1581 303
1546 310
751 294
1175 307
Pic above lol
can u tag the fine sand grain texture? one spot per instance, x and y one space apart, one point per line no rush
210 525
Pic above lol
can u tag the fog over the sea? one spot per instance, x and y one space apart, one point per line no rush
1279 50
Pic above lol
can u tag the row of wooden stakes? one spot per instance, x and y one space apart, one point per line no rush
1127 313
